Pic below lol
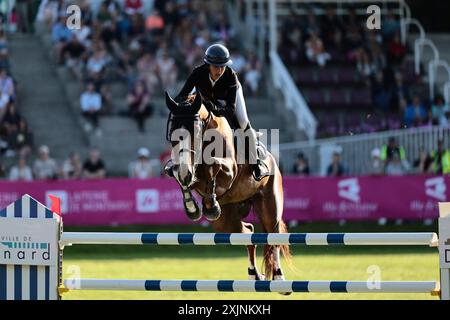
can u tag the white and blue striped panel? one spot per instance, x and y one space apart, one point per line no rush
252 286
24 282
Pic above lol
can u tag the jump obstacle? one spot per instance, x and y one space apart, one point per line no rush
32 243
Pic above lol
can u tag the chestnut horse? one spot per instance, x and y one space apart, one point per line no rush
228 189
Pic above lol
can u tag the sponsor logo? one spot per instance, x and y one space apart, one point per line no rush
147 200
436 188
349 189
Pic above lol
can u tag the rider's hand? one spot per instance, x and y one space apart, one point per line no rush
221 104
209 105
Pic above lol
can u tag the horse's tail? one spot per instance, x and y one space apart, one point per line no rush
269 261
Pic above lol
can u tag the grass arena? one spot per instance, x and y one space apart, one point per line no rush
404 264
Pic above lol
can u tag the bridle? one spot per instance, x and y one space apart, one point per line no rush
185 120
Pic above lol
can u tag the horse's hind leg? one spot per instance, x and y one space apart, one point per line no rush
268 205
230 222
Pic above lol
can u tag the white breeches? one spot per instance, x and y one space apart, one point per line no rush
241 108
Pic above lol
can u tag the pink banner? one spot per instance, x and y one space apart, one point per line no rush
159 201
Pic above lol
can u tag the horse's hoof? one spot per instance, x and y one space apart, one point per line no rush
253 274
193 212
212 214
281 277
194 216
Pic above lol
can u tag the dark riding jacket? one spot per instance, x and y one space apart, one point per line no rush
225 89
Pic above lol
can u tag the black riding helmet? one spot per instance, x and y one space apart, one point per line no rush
217 55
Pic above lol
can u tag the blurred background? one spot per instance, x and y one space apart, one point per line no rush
363 114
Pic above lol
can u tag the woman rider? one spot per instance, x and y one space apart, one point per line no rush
222 94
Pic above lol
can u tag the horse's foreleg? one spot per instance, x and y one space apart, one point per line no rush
211 207
190 204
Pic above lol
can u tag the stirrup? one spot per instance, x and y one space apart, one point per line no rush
168 169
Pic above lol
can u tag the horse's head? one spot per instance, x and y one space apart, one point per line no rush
185 129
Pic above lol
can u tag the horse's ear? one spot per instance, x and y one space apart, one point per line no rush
197 103
170 103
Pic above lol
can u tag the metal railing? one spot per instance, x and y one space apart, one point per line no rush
292 97
432 70
355 150
447 92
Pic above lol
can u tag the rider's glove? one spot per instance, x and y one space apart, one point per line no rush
210 106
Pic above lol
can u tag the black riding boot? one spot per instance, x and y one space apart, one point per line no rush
260 168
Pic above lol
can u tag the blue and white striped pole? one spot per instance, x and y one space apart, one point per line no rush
255 286
320 239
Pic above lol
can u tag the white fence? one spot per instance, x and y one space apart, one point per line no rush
356 149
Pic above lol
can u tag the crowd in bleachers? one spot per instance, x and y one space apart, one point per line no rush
389 159
16 138
358 70
149 50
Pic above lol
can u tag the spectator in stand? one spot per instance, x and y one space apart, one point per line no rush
60 36
104 14
48 12
7 84
22 139
4 145
252 73
147 70
91 105
193 53
3 47
94 167
167 71
315 50
390 26
439 110
21 172
376 166
111 37
422 163
239 61
222 30
83 34
440 159
141 168
139 106
96 64
22 9
401 93
415 113
44 166
154 24
133 7
336 168
301 166
4 102
396 166
390 149
396 51
72 168
353 32
364 65
74 52
12 118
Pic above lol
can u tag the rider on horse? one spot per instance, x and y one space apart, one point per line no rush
222 95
